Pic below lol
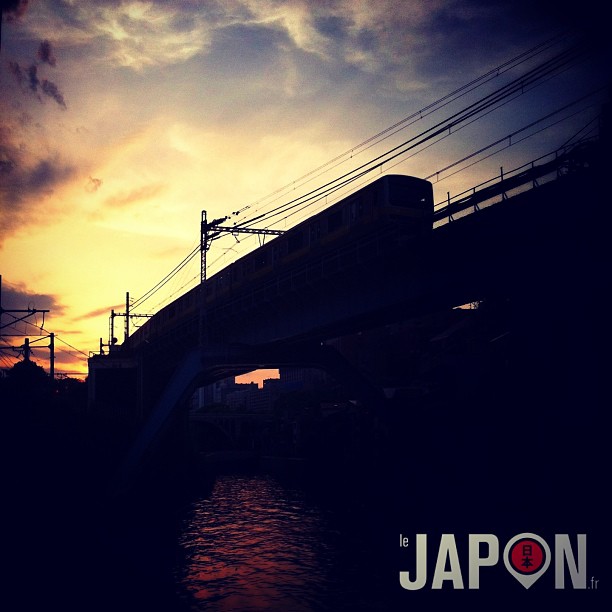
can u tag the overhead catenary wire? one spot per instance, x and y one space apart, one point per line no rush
474 111
166 278
477 109
45 335
508 137
516 86
414 117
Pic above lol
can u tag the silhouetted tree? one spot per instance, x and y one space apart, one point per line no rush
25 390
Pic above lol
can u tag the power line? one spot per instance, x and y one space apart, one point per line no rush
510 136
417 116
515 88
548 68
166 278
72 347
46 334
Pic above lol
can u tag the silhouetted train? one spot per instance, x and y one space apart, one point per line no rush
391 208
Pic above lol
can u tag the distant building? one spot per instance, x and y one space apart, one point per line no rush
248 397
112 388
240 397
299 379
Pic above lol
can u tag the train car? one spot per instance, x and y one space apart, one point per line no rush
403 203
391 208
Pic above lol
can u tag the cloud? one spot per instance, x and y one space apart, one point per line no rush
13 9
295 46
68 359
98 312
144 35
16 71
18 296
379 38
136 35
45 53
28 77
25 179
33 81
50 89
93 184
134 196
45 175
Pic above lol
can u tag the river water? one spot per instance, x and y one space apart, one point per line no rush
251 540
254 543
248 541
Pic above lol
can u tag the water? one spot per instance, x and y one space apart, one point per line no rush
254 543
251 541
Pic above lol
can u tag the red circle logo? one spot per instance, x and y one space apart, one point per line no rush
527 556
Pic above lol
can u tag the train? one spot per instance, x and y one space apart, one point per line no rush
388 211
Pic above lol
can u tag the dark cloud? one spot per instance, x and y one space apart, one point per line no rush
93 184
6 166
18 296
18 182
13 8
9 155
24 181
33 80
16 71
45 175
50 89
45 53
29 78
459 39
332 26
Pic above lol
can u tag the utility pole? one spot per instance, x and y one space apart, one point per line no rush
23 315
214 229
111 332
27 312
128 314
52 355
27 348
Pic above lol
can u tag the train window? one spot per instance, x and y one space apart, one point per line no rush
413 195
261 258
315 232
277 249
334 221
369 199
355 208
295 241
247 267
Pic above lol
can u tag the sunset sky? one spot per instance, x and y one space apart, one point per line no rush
120 121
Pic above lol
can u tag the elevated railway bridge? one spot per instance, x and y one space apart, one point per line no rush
535 234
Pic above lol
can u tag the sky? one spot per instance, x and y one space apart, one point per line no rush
122 120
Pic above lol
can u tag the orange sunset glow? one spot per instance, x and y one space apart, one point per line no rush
303 304
122 121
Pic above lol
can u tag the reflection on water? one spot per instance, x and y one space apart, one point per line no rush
253 544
